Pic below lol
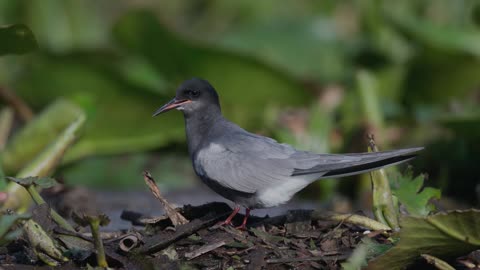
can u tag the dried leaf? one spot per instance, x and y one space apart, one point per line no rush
268 238
439 264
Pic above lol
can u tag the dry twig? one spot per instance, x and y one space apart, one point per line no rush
175 217
204 249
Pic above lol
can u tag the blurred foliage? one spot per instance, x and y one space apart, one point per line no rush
366 250
408 69
8 229
40 132
445 235
16 39
47 160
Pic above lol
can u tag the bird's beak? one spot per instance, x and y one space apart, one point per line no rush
172 104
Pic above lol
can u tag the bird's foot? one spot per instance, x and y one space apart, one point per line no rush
228 221
223 223
242 227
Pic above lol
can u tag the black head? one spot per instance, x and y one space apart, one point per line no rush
194 95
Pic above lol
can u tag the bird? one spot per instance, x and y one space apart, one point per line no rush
251 170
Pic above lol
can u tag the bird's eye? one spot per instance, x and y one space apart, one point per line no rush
193 93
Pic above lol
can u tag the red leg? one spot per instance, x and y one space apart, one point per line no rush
228 221
244 223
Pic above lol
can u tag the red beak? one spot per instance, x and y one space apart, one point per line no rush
172 104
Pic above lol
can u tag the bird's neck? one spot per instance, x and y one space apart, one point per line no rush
199 125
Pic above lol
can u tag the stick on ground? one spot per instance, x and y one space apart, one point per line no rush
175 217
204 249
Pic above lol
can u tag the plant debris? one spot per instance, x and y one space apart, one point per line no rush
175 217
297 240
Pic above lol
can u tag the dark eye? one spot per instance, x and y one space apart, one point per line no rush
193 93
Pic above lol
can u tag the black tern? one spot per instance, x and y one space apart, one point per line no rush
255 171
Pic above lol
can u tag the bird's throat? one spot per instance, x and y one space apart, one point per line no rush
198 126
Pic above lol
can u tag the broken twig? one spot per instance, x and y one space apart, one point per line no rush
158 242
353 219
175 217
305 259
204 249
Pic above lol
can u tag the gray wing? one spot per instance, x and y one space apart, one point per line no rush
246 162
250 163
332 165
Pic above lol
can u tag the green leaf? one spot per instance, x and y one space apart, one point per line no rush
292 46
445 37
119 104
104 220
45 182
85 219
465 124
445 235
80 219
7 221
366 250
32 139
410 194
231 74
16 39
27 181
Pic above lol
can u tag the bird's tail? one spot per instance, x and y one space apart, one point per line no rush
359 163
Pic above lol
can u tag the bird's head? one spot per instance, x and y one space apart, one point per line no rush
192 96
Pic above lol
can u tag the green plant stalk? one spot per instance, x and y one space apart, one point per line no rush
19 199
368 88
385 209
55 216
94 224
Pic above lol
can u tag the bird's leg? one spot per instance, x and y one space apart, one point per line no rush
228 221
244 223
